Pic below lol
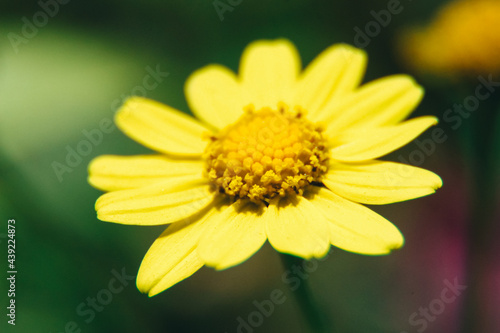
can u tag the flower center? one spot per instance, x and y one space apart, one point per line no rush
266 153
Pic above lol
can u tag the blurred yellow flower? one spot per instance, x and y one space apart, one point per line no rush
280 155
464 38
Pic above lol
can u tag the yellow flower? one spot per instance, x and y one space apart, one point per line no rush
463 39
280 155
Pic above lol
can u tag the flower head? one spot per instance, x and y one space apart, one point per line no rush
279 155
462 39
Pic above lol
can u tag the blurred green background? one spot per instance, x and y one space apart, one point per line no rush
64 78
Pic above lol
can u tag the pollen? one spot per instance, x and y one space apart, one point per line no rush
267 153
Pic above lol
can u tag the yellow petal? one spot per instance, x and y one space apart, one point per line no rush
378 182
269 71
382 102
173 256
367 144
112 173
336 71
163 203
215 96
233 235
295 227
353 227
161 127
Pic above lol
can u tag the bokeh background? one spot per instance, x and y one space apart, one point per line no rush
64 77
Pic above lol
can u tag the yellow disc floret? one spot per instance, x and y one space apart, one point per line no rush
266 153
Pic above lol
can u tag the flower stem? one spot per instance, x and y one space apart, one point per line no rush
481 254
315 318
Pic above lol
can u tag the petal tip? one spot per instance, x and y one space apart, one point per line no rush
350 51
438 183
395 246
435 120
147 289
